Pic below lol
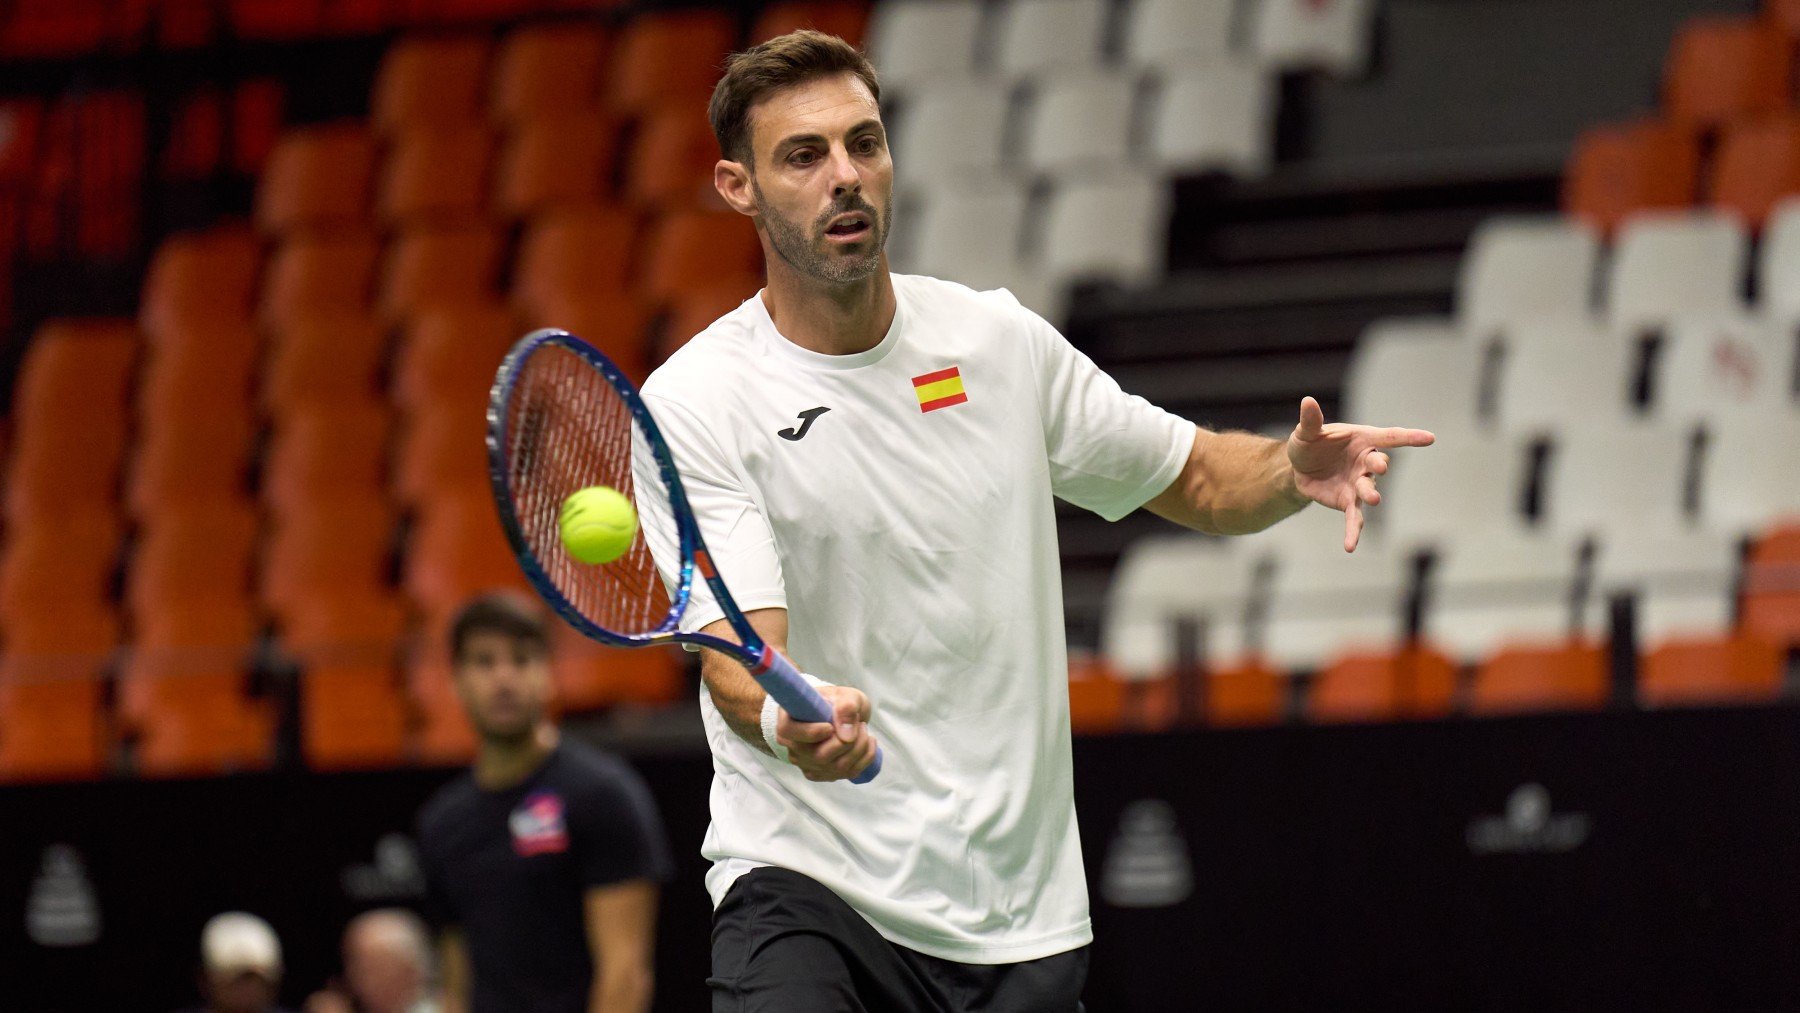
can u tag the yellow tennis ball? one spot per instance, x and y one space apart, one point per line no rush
598 524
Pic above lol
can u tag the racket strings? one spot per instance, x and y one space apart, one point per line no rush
568 430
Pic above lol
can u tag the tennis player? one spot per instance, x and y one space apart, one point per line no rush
872 459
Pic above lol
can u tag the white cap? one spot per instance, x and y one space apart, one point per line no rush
236 941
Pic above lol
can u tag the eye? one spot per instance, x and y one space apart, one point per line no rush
805 156
867 144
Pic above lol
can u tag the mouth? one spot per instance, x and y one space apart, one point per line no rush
848 228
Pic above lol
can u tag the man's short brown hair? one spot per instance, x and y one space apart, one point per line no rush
781 62
508 613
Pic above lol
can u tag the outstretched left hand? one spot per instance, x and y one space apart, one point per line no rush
1337 464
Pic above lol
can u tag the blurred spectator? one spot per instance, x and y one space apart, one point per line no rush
544 861
387 967
240 960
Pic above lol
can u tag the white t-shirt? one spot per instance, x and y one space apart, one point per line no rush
910 534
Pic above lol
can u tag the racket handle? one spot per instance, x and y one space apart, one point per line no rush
780 679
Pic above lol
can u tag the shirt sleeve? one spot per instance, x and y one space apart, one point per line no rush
618 831
732 524
1110 452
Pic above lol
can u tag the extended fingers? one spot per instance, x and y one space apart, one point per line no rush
1312 419
1377 462
1353 525
1403 438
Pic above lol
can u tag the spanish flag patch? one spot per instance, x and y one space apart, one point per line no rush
939 389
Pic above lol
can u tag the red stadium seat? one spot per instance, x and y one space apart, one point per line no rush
77 364
320 274
1785 14
326 451
1541 678
695 310
1248 694
574 253
56 628
192 714
205 364
457 550
63 560
440 266
548 69
693 250
590 675
451 356
1412 682
199 553
669 57
439 80
673 153
318 176
353 716
200 276
51 724
225 623
1619 170
1096 699
1771 607
556 161
614 322
343 625
327 550
846 19
1758 164
441 452
324 359
1732 669
1723 68
435 173
444 736
203 457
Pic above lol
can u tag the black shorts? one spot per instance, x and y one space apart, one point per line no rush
783 943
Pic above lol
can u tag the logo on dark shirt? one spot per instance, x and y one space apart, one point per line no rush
806 421
537 825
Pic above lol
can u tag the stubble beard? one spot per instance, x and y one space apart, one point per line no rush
794 244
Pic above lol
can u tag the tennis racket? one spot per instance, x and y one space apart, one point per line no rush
562 417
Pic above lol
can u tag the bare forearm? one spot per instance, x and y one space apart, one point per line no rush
734 692
1233 484
622 989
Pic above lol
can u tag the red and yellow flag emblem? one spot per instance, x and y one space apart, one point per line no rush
940 389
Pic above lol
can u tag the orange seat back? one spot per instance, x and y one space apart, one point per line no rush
1758 164
1722 68
1616 171
1730 669
1413 682
1541 678
548 69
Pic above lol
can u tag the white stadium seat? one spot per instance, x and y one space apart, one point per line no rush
1526 268
1330 35
969 234
1035 36
1163 580
1493 587
914 42
1413 372
1778 270
1466 482
1747 476
1558 372
1109 227
1080 121
1177 33
1324 601
1669 264
1216 116
1622 473
1683 583
1707 367
948 130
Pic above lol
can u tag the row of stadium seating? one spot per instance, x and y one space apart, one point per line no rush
1616 404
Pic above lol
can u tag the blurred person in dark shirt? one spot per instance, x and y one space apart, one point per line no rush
388 967
543 862
240 965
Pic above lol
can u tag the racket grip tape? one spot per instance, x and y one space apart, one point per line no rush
780 679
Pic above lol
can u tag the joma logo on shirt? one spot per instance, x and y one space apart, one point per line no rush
806 421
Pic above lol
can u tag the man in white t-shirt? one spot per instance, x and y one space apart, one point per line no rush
872 460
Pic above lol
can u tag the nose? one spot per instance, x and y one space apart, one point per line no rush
845 179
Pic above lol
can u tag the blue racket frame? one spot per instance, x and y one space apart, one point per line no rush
773 671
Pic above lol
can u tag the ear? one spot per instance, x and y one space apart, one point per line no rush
732 180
